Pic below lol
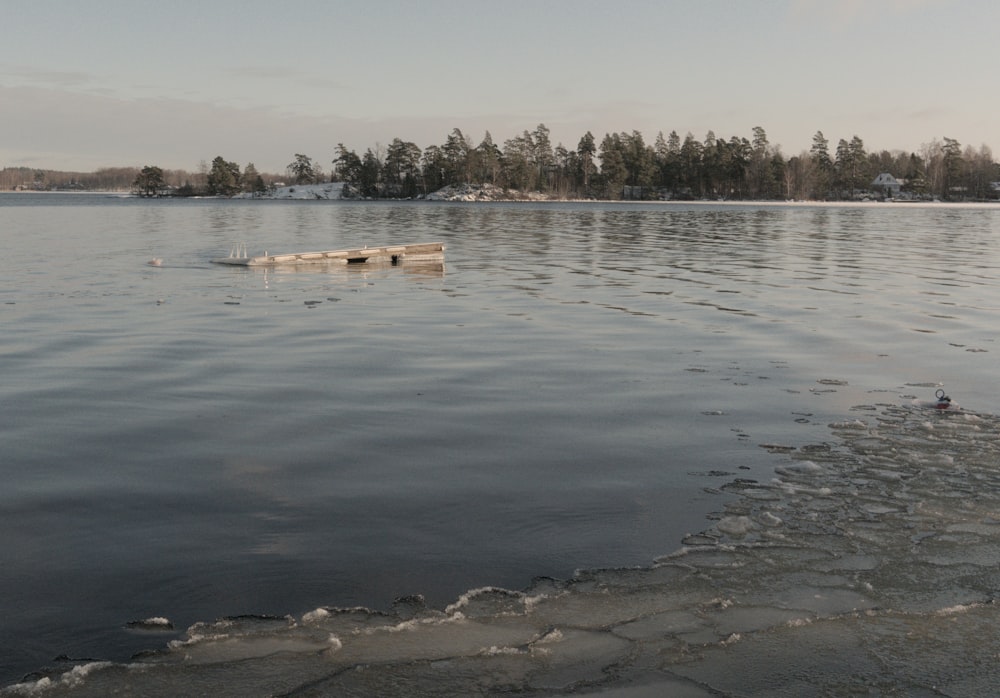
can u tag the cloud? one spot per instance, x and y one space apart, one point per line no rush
285 75
82 131
930 115
65 130
843 14
55 78
259 72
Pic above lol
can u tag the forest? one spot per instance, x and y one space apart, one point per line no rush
624 166
621 166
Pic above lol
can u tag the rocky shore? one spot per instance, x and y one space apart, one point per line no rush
461 192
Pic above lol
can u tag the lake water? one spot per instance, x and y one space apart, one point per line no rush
611 446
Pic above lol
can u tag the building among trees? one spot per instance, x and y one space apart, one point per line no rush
888 185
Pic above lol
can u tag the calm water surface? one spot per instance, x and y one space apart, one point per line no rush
569 390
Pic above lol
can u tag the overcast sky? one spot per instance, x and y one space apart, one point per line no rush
173 83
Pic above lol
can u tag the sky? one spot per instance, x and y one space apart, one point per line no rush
110 83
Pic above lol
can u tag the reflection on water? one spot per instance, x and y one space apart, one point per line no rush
867 564
577 389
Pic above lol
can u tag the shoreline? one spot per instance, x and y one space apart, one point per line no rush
311 189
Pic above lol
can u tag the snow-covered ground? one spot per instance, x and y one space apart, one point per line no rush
460 192
483 192
326 190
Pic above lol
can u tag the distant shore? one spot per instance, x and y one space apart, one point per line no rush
335 191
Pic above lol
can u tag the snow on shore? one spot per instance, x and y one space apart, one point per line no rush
458 192
483 192
327 190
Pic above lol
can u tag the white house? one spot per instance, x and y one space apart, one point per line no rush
887 183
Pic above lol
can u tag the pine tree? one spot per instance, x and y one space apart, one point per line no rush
223 178
952 167
518 169
347 166
432 168
822 165
456 151
542 156
690 166
613 171
302 170
488 160
402 168
149 181
253 183
859 175
760 166
370 176
586 150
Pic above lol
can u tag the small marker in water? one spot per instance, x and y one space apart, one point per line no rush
943 401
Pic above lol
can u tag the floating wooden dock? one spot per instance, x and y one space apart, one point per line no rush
393 254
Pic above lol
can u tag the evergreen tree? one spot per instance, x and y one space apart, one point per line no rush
542 156
347 166
915 176
860 177
714 156
302 170
456 151
761 182
432 167
149 182
661 155
952 168
253 183
518 168
640 164
738 156
689 170
822 170
488 160
586 149
668 153
779 188
613 171
842 168
223 178
370 175
402 168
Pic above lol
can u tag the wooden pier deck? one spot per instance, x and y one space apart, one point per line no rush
391 254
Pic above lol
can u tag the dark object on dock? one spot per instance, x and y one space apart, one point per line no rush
391 254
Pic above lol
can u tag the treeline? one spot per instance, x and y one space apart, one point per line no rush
621 166
624 166
33 179
225 178
150 180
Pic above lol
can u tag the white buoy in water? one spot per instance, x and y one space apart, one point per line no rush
155 262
